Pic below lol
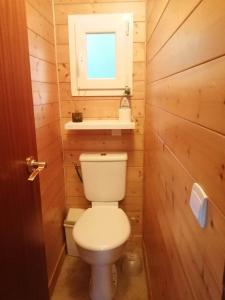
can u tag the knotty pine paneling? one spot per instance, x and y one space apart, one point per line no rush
46 113
185 136
39 24
44 92
91 1
104 109
176 14
196 94
63 10
44 8
42 71
103 142
200 39
37 44
171 185
154 12
47 122
164 264
193 145
47 134
76 142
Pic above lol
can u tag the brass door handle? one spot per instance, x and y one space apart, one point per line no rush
34 167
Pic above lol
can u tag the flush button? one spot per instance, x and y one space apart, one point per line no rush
198 204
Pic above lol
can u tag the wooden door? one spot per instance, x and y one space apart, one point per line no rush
22 256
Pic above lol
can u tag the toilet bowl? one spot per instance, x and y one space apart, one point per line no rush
102 231
101 234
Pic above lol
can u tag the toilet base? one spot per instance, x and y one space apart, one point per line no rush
103 282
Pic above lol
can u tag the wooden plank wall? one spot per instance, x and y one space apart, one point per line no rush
103 107
185 143
47 120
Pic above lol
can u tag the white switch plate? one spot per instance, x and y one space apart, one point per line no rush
198 203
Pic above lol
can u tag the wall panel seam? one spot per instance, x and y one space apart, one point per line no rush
43 82
40 13
43 38
157 23
175 31
43 60
47 124
46 103
43 148
212 131
188 68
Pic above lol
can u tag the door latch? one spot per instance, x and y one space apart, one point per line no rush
34 167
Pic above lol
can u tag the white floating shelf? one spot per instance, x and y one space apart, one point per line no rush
99 124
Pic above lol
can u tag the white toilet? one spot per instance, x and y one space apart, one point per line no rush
102 230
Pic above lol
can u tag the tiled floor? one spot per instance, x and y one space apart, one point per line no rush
73 281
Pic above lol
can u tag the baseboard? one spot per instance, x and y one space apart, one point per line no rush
147 271
57 269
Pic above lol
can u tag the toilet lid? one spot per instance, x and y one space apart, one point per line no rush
101 228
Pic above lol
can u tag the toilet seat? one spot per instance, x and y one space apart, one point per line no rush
102 228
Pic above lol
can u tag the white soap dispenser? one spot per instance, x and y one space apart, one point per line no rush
125 110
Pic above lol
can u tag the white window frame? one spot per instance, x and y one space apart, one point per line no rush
79 26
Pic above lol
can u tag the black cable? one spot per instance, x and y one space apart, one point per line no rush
78 171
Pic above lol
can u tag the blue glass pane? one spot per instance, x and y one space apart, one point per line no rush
101 55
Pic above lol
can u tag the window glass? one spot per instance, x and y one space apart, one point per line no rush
101 55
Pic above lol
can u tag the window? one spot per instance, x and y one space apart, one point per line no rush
100 54
101 66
